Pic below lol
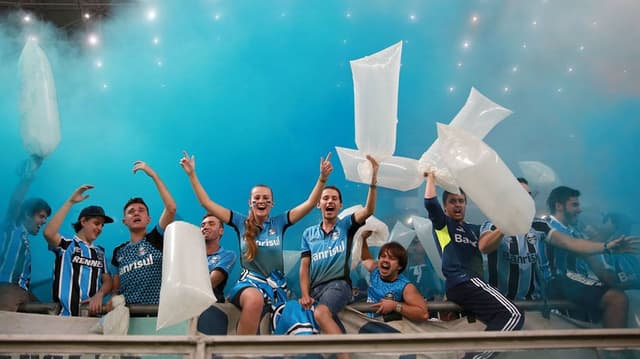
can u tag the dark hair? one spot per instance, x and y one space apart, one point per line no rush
211 215
32 206
395 250
522 180
252 229
135 200
446 194
560 194
77 226
335 189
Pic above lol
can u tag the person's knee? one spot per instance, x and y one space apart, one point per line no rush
251 302
614 298
322 313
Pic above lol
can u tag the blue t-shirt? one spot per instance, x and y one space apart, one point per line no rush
329 252
139 266
15 256
457 244
269 241
380 289
77 273
223 260
517 268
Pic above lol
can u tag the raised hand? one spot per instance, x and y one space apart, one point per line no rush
78 195
144 167
188 163
325 167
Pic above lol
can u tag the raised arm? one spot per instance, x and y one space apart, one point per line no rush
362 214
51 230
430 188
305 207
170 208
27 174
367 260
188 164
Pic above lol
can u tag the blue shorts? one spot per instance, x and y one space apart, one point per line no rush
335 294
273 288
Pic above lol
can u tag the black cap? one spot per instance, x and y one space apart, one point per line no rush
94 211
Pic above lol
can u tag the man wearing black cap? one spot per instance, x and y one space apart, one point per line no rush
80 273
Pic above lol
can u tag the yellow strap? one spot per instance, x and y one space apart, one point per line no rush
443 237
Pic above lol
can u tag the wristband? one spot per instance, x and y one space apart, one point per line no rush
322 180
606 249
399 307
372 186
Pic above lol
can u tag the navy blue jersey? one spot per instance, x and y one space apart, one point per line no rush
15 255
78 271
330 252
457 244
139 266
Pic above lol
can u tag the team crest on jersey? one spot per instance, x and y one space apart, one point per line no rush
531 238
142 251
335 235
272 231
76 250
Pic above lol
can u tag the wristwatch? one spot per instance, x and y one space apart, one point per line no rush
399 307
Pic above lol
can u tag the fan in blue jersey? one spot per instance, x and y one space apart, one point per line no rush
219 260
80 272
457 242
138 262
517 265
390 291
573 277
22 219
326 250
260 239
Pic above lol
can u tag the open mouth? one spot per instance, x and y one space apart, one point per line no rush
385 266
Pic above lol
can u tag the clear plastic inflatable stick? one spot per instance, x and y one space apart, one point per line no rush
487 181
186 287
39 119
399 173
375 86
479 115
402 234
424 230
539 174
379 234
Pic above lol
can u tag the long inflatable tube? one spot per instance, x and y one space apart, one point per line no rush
375 86
186 287
424 230
399 173
487 181
479 116
39 118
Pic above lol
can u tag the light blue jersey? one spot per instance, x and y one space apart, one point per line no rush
562 261
269 241
223 260
517 268
329 252
380 289
78 273
15 256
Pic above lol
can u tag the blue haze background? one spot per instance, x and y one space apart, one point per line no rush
259 90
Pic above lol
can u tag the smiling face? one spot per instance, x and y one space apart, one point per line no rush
330 203
261 202
136 217
211 228
91 228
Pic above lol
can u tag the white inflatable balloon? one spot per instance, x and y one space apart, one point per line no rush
487 181
539 174
290 258
424 230
39 119
399 173
479 115
379 234
186 287
375 86
402 234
